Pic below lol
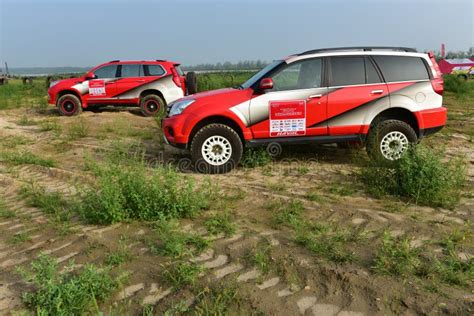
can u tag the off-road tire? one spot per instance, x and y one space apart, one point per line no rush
191 82
200 163
152 105
69 105
381 129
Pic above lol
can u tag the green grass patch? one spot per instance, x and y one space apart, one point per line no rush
5 212
12 142
287 213
25 158
459 86
124 191
329 241
78 129
175 243
255 157
396 257
15 94
67 293
26 121
218 300
221 223
181 274
52 203
261 257
422 174
19 238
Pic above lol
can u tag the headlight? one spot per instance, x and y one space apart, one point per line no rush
179 106
52 84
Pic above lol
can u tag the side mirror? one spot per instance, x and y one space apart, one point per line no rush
266 84
90 76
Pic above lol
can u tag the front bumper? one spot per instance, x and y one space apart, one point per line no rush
174 130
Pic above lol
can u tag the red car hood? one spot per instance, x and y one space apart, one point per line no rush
222 97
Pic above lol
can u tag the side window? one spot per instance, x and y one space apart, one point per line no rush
402 68
347 71
131 70
371 73
106 72
155 70
299 75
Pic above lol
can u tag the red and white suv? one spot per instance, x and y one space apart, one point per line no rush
386 97
148 84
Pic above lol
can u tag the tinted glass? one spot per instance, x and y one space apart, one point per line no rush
401 68
300 75
131 71
155 70
106 72
371 72
259 75
347 71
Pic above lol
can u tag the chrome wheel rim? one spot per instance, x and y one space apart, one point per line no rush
393 145
216 150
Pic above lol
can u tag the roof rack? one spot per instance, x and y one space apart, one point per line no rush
114 61
362 48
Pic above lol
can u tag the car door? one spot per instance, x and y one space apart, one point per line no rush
102 88
131 76
295 104
356 85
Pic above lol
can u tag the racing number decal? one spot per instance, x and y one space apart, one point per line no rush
287 118
97 88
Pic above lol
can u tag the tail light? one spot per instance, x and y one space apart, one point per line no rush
437 81
176 78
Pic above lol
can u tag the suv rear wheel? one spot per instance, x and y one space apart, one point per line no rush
390 139
152 105
69 105
216 148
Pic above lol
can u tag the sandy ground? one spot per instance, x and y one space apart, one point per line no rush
299 282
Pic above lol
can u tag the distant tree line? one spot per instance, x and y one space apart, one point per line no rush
241 65
456 54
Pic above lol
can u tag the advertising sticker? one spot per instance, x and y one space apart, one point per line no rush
97 88
287 118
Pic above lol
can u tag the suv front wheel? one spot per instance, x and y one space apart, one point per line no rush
390 139
216 148
69 105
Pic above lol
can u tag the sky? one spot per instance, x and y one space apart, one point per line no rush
48 33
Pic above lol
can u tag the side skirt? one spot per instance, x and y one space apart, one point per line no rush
306 140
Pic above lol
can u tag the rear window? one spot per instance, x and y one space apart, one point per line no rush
155 70
179 70
401 68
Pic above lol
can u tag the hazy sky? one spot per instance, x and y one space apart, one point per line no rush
87 32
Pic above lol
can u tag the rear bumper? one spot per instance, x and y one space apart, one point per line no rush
432 118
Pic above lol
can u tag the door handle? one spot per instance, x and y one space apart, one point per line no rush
315 96
376 92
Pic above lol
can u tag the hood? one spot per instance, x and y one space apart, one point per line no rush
70 81
222 97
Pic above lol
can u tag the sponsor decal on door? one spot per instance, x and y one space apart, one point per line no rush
287 118
97 88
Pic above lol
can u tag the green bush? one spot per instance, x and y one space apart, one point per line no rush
453 83
422 174
123 192
67 293
255 158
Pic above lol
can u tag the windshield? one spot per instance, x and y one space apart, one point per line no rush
259 75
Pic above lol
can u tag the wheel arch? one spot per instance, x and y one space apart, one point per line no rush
144 93
216 119
70 91
398 113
